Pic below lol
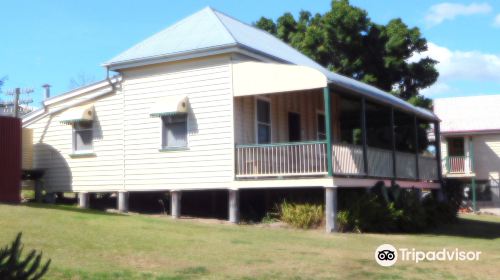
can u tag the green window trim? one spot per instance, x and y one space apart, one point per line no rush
83 154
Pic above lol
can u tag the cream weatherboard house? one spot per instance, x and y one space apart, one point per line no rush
470 141
213 103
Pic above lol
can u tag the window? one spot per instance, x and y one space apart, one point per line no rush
82 136
321 133
263 121
174 131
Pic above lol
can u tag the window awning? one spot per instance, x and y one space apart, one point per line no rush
169 106
78 114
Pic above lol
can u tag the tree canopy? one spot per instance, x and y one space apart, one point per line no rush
81 80
346 41
2 81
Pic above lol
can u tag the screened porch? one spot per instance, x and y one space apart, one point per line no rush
286 135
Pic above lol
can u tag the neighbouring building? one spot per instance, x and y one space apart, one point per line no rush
7 109
470 144
211 103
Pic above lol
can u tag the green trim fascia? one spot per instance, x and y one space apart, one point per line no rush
328 129
279 144
471 155
473 183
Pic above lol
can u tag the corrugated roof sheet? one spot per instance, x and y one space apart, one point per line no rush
201 30
209 29
468 114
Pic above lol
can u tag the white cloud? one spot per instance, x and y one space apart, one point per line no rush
496 21
437 89
456 65
448 11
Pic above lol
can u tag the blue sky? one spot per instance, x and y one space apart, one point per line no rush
55 41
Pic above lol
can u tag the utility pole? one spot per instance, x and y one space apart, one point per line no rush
16 100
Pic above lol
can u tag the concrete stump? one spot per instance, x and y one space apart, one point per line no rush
234 206
175 204
331 209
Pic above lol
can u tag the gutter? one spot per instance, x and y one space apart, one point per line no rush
171 57
29 119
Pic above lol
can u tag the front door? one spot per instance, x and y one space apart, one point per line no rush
456 147
456 155
293 127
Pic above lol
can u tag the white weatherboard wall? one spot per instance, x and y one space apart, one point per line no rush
306 103
209 160
53 148
486 156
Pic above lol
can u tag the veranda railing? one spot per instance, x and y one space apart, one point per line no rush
281 159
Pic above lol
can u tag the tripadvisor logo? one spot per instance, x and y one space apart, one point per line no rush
387 255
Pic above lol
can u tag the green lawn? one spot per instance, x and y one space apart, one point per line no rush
95 245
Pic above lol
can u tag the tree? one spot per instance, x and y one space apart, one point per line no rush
13 267
2 82
81 80
346 41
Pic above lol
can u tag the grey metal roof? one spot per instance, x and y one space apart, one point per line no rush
468 114
209 29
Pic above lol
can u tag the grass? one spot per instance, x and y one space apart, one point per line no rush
95 245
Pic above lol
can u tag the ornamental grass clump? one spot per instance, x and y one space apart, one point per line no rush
301 215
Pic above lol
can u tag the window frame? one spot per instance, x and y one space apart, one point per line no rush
163 130
74 135
257 122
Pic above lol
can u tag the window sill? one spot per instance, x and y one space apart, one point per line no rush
173 149
82 154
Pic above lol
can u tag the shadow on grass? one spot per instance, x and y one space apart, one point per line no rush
70 208
470 228
184 274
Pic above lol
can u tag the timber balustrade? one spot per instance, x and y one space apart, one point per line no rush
309 159
457 164
283 159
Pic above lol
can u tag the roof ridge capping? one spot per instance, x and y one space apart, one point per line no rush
215 13
142 45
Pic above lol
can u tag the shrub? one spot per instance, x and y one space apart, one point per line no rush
270 218
12 267
453 193
301 215
343 221
439 212
392 209
367 214
414 216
